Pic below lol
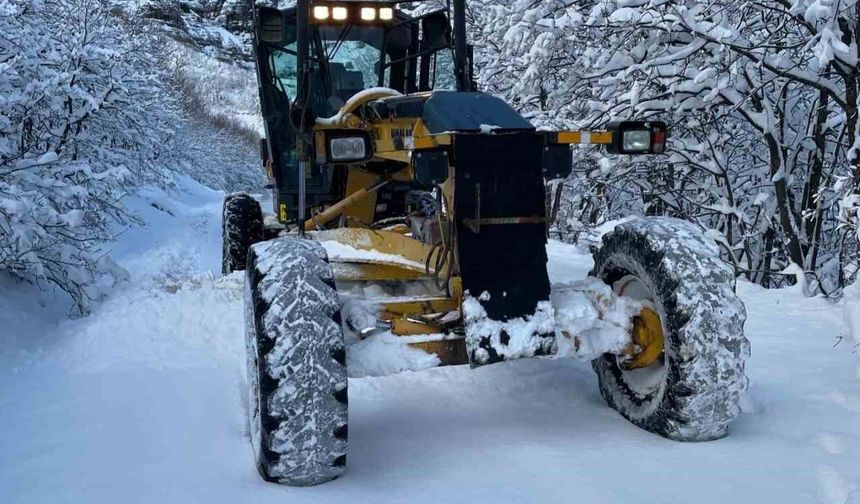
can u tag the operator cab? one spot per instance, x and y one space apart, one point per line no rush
404 53
352 46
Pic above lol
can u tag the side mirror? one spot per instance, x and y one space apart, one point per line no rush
637 137
270 25
436 31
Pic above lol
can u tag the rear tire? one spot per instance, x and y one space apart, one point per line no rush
242 226
296 363
692 392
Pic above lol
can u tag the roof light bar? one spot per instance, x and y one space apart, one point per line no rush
368 13
339 13
321 12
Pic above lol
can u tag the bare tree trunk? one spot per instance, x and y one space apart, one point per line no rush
811 208
786 221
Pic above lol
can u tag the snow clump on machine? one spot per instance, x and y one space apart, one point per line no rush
587 318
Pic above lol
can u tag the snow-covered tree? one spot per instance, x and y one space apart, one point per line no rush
761 98
82 122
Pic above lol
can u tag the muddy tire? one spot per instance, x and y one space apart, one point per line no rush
692 392
241 227
296 363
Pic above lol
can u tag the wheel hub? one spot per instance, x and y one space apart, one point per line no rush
647 336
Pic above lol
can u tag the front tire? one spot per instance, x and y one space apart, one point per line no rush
692 392
296 363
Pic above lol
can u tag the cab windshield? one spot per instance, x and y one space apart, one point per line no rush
347 59
353 57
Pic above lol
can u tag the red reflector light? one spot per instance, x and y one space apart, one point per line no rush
658 141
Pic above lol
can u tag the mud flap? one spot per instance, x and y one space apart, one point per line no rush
499 202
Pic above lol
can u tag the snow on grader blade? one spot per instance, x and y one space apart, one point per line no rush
408 203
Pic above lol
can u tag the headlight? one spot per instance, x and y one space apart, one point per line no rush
386 13
347 148
637 141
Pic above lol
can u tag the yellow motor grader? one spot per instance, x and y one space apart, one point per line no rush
389 169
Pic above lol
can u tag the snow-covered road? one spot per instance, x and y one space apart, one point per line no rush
142 402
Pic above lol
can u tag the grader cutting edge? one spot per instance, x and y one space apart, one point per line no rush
390 173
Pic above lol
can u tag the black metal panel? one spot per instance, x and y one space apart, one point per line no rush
453 111
557 161
504 172
430 166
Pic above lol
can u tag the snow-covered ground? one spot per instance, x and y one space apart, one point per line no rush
142 402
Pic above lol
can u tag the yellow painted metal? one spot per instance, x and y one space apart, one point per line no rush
319 143
395 249
418 307
400 229
406 327
584 137
570 137
648 340
400 156
369 272
334 211
601 137
450 352
269 171
457 289
397 138
388 133
430 141
361 211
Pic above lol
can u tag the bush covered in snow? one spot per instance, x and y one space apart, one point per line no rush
82 122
